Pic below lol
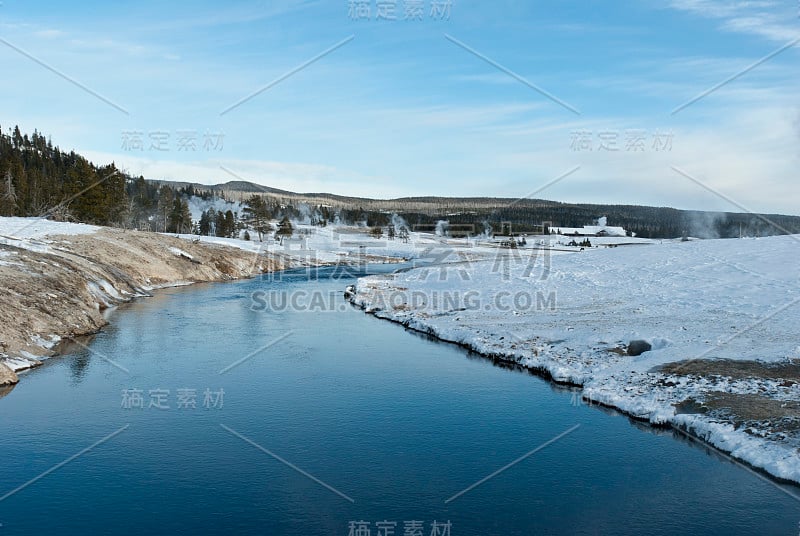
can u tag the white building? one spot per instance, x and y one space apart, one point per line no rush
599 229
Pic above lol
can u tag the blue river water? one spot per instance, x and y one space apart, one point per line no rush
270 406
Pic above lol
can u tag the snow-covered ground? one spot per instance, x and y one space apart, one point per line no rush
31 233
573 315
38 228
342 243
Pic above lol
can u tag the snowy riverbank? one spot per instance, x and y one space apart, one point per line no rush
721 317
57 279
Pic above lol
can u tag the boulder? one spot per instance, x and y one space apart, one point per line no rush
350 292
638 347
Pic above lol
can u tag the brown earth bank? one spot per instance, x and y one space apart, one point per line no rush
755 413
788 371
58 288
7 377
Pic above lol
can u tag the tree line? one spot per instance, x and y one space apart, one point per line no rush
37 178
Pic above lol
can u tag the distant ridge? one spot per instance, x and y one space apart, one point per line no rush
526 215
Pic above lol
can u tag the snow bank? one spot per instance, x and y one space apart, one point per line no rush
38 228
571 316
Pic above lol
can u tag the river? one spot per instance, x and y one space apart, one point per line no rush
200 411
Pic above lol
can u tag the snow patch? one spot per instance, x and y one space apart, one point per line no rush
180 253
38 228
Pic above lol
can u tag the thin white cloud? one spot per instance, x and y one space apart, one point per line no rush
82 42
230 14
770 20
49 33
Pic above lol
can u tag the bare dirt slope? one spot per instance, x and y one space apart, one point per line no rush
7 377
58 288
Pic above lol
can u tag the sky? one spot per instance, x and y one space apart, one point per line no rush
684 103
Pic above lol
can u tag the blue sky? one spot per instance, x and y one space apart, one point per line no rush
400 109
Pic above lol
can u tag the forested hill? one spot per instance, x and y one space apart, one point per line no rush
37 178
525 215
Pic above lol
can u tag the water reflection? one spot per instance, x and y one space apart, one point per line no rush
5 389
77 356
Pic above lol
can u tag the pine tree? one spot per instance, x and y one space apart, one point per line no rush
219 224
204 227
230 224
85 199
8 196
180 218
285 228
166 205
257 213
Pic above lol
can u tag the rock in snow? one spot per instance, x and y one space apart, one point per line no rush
638 347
